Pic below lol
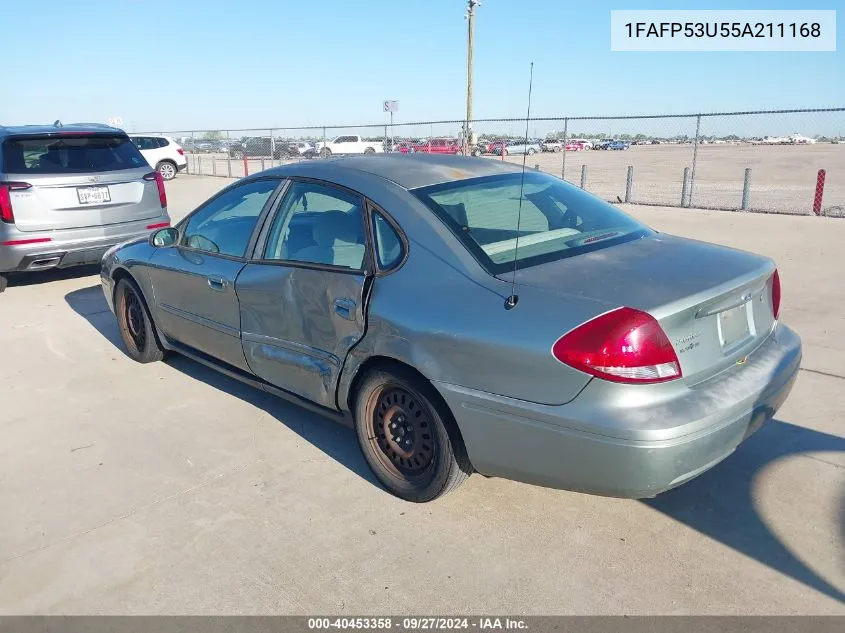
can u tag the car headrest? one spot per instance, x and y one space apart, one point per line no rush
336 225
457 212
51 157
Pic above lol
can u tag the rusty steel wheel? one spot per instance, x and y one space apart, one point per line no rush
136 328
402 431
407 436
133 318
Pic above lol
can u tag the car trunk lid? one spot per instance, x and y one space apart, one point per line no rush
713 302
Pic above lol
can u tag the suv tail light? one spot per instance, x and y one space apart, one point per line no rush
181 151
624 345
162 195
776 294
6 214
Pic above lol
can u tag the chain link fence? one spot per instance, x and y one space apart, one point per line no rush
765 161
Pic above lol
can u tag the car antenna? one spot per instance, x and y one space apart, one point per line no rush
513 299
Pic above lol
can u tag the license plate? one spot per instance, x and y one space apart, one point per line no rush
93 195
733 325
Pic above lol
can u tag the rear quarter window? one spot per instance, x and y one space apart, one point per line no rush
69 154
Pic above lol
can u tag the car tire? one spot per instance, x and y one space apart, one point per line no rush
556 149
434 462
476 152
237 155
167 169
326 152
369 150
531 151
4 282
135 324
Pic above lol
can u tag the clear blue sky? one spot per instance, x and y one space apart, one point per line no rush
195 64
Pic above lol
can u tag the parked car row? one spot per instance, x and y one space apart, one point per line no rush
533 146
262 147
165 154
517 146
208 146
573 145
429 146
281 148
610 144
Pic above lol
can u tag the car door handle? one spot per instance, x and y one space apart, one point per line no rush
345 308
217 283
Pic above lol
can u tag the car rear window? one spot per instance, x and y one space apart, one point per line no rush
556 219
68 154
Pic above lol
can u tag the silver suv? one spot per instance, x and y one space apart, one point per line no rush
68 193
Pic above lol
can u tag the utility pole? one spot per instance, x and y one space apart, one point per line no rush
470 15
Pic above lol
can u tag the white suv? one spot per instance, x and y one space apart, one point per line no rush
163 153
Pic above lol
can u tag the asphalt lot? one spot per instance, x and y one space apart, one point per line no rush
167 488
783 177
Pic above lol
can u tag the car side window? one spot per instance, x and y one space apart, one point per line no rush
226 223
388 244
318 224
161 142
144 142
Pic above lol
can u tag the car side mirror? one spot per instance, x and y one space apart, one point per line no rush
165 237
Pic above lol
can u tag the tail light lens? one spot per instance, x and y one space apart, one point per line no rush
776 294
625 345
162 195
181 151
6 214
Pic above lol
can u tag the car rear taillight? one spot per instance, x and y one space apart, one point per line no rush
6 214
624 345
162 195
181 151
776 294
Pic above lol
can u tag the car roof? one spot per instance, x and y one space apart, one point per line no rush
20 130
409 171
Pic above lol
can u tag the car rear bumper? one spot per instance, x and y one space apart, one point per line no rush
645 449
66 248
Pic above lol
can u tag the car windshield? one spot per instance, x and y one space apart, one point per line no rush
556 219
66 154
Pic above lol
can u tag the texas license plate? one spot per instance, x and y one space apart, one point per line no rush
733 325
93 195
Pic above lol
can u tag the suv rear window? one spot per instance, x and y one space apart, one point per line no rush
69 154
556 219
